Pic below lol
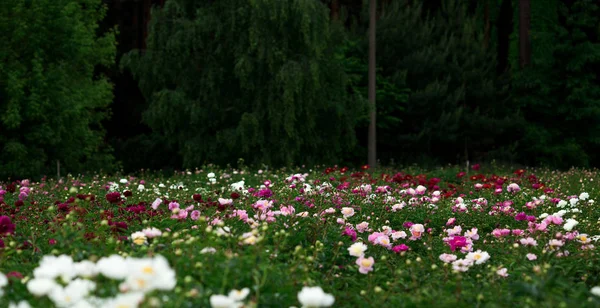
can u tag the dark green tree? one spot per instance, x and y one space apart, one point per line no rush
52 102
256 79
458 108
560 93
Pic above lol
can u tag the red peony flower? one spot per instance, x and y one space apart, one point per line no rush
6 226
113 197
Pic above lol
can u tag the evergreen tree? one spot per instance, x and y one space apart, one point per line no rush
52 102
457 108
256 80
560 93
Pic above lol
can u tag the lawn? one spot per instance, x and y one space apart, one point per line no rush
328 236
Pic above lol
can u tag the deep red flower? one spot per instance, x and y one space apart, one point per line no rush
6 226
1 243
52 241
461 174
476 167
113 197
197 197
127 193
234 195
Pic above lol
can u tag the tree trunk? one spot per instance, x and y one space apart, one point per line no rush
486 39
372 52
504 24
335 9
524 27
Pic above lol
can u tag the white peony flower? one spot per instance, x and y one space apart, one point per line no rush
584 196
52 267
595 291
21 304
313 297
357 249
41 286
149 274
222 301
86 269
239 295
570 224
114 267
126 300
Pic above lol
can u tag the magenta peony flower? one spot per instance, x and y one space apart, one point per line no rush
400 248
6 226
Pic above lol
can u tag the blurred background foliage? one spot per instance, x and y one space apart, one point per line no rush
118 84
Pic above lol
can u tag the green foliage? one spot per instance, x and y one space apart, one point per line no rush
457 108
246 79
51 100
560 92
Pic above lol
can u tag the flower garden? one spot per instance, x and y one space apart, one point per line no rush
322 237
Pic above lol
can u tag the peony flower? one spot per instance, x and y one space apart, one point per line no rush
513 187
416 231
570 224
365 264
85 269
21 304
113 267
223 201
503 272
156 203
398 234
357 249
314 297
351 233
195 215
125 300
3 283
6 226
152 232
239 295
347 212
400 248
41 286
362 227
462 265
222 301
531 257
528 241
478 256
595 291
584 196
447 258
139 238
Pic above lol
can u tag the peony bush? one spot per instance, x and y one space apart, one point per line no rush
324 237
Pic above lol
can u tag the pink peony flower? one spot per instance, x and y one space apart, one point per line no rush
448 258
365 264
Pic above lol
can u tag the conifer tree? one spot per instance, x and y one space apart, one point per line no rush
256 79
52 101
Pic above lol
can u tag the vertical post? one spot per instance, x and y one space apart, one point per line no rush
372 62
57 170
524 38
